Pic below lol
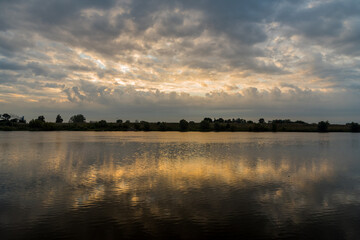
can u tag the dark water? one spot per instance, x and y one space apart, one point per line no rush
90 185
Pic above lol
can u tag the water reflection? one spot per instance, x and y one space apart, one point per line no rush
179 185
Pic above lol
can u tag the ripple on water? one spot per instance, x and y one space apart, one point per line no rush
179 185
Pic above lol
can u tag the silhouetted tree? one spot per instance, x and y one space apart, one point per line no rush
126 125
208 119
274 127
119 121
162 126
323 126
145 125
59 119
184 125
101 124
41 118
220 120
261 120
79 118
36 123
239 120
280 121
217 126
6 116
354 127
205 124
137 125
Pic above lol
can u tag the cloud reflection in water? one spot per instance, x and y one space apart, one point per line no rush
247 184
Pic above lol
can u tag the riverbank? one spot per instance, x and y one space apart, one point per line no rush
192 126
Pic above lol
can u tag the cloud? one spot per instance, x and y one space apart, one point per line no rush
190 54
8 65
103 102
13 42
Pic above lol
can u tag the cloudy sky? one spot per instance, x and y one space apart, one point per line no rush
163 60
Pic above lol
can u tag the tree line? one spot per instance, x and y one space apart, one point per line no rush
78 123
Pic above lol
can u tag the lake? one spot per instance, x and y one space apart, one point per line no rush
172 185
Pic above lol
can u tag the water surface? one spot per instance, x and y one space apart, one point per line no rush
170 185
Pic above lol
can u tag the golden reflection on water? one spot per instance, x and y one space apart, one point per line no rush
182 174
142 173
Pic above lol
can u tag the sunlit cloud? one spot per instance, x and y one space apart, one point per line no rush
65 55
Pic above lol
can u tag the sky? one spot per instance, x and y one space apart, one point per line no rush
165 60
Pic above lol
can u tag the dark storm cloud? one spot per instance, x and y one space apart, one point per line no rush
237 19
333 24
52 12
10 43
238 22
8 65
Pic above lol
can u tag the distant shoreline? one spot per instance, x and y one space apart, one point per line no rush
177 127
78 123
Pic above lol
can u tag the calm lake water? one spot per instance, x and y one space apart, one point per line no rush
169 185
